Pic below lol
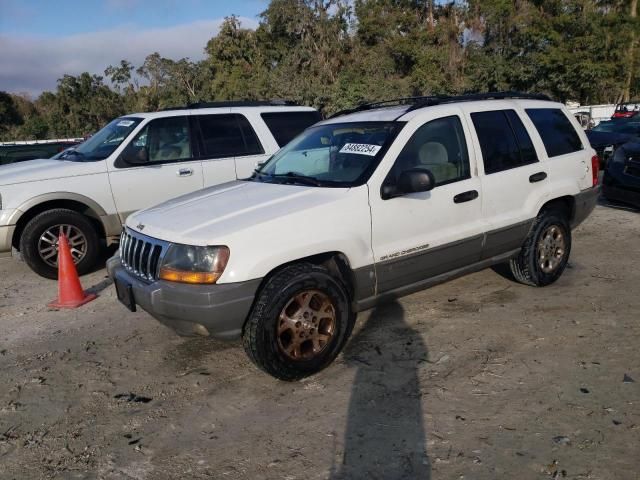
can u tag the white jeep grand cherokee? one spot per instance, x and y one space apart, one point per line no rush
372 204
134 162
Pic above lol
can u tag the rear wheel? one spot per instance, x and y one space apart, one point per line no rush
546 250
39 241
300 322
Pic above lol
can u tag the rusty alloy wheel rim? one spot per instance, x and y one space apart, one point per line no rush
306 325
551 249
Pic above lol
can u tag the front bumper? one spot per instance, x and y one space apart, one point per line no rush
585 202
6 235
217 310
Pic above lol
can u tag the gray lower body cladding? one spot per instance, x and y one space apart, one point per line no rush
585 202
220 309
410 273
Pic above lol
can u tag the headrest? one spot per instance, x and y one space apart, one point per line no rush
433 152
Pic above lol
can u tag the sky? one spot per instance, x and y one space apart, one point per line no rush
41 40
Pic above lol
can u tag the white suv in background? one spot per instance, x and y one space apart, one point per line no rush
135 162
370 205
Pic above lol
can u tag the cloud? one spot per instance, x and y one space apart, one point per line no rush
32 64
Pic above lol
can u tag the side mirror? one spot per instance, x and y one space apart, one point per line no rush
410 181
135 155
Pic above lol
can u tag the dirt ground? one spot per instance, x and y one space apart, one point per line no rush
478 378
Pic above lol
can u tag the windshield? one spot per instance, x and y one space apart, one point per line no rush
334 155
103 143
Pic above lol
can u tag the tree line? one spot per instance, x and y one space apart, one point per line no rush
333 54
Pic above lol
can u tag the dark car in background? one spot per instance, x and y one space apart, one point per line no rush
621 180
23 151
607 136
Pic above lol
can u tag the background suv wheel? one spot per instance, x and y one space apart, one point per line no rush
39 241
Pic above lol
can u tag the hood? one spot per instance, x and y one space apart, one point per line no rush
206 216
604 139
47 169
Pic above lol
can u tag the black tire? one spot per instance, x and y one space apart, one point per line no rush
526 268
39 224
260 336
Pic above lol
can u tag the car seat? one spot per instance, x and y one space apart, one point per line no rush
434 157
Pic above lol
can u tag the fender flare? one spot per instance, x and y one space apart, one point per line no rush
110 223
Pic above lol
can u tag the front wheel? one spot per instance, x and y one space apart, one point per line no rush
299 323
545 252
39 241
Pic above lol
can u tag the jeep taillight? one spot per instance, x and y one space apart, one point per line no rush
595 168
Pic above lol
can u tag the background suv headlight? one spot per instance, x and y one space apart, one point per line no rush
189 264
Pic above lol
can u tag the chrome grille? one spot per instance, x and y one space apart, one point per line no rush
140 254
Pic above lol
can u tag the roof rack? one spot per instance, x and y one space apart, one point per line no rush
236 103
384 103
427 101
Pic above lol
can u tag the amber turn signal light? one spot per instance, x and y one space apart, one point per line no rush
180 276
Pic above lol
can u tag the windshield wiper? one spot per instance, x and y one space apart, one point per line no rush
296 177
73 152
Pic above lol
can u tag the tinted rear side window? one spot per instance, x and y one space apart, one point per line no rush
555 129
504 141
228 136
285 126
527 151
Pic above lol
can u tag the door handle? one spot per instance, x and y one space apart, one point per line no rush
537 177
184 172
466 196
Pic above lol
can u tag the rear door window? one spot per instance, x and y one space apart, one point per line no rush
285 126
227 136
504 140
555 129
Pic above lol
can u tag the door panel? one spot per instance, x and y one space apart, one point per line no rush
421 235
142 187
514 182
509 205
170 169
218 170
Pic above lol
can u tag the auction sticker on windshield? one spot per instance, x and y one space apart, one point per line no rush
361 149
125 123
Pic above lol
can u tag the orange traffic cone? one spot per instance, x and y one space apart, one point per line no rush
70 293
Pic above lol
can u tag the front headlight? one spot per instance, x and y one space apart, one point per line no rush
189 264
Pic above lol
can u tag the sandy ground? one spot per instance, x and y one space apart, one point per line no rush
479 378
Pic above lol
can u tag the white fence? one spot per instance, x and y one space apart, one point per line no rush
597 113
